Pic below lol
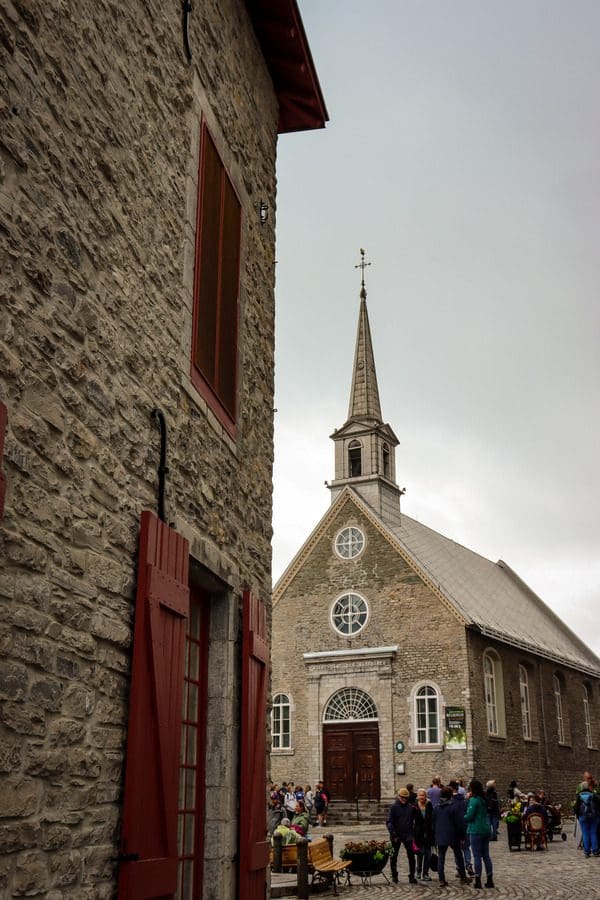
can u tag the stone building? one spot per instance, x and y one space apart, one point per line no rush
137 201
398 654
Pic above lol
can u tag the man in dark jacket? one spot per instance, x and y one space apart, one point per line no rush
401 826
449 830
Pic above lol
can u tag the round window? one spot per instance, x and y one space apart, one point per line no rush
349 542
349 614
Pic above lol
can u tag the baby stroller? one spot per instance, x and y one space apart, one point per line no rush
555 825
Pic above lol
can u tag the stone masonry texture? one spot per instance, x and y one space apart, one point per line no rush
99 136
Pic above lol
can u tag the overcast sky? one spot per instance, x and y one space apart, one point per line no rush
463 154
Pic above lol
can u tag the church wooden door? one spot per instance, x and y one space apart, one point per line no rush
351 760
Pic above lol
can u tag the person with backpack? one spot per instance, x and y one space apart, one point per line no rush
587 811
322 798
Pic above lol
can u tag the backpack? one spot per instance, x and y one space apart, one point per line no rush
587 810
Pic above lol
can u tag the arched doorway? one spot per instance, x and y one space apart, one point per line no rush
351 746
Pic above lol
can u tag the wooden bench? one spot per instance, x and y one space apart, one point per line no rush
325 867
289 856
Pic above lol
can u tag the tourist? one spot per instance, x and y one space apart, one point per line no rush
401 827
448 831
423 834
290 800
300 819
434 792
274 809
587 811
461 802
309 802
478 829
493 809
287 835
322 799
412 797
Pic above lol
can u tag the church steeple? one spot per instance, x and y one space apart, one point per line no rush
364 445
364 394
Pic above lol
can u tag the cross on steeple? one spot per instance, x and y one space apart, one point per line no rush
362 265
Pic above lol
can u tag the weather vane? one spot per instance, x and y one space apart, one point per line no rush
362 265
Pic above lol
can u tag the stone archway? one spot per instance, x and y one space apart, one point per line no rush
351 746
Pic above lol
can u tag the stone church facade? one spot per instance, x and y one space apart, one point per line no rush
398 654
137 214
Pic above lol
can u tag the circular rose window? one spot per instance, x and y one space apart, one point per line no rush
349 542
349 614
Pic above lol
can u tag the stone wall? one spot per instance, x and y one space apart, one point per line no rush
99 130
540 761
404 612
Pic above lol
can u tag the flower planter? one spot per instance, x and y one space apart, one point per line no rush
365 863
513 830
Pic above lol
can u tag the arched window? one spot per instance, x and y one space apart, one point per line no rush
354 459
350 704
349 614
525 705
385 453
427 715
586 716
494 694
281 731
560 722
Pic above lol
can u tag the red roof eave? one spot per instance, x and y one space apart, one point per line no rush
280 32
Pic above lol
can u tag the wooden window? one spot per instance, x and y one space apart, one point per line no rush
427 715
191 806
281 723
525 704
586 717
494 694
560 722
216 286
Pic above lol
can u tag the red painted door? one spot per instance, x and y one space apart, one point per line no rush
149 857
254 848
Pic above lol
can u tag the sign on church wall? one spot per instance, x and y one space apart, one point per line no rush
455 737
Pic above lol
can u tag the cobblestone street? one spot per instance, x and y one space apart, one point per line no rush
562 873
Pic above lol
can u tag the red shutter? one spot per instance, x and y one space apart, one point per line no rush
254 848
3 420
149 830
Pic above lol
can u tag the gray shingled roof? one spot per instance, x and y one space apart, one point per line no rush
492 597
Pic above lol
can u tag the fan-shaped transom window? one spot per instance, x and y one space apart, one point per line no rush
349 614
350 705
349 542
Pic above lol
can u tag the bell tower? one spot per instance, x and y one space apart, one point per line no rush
365 447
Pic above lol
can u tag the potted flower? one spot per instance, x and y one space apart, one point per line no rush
367 857
512 819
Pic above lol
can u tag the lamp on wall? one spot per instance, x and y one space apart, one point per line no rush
263 210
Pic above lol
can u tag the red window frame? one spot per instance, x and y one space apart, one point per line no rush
192 803
216 286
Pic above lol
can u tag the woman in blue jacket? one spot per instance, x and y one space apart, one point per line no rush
478 829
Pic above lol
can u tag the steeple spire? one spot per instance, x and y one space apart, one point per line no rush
365 446
364 395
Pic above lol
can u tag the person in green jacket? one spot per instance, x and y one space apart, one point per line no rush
478 829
